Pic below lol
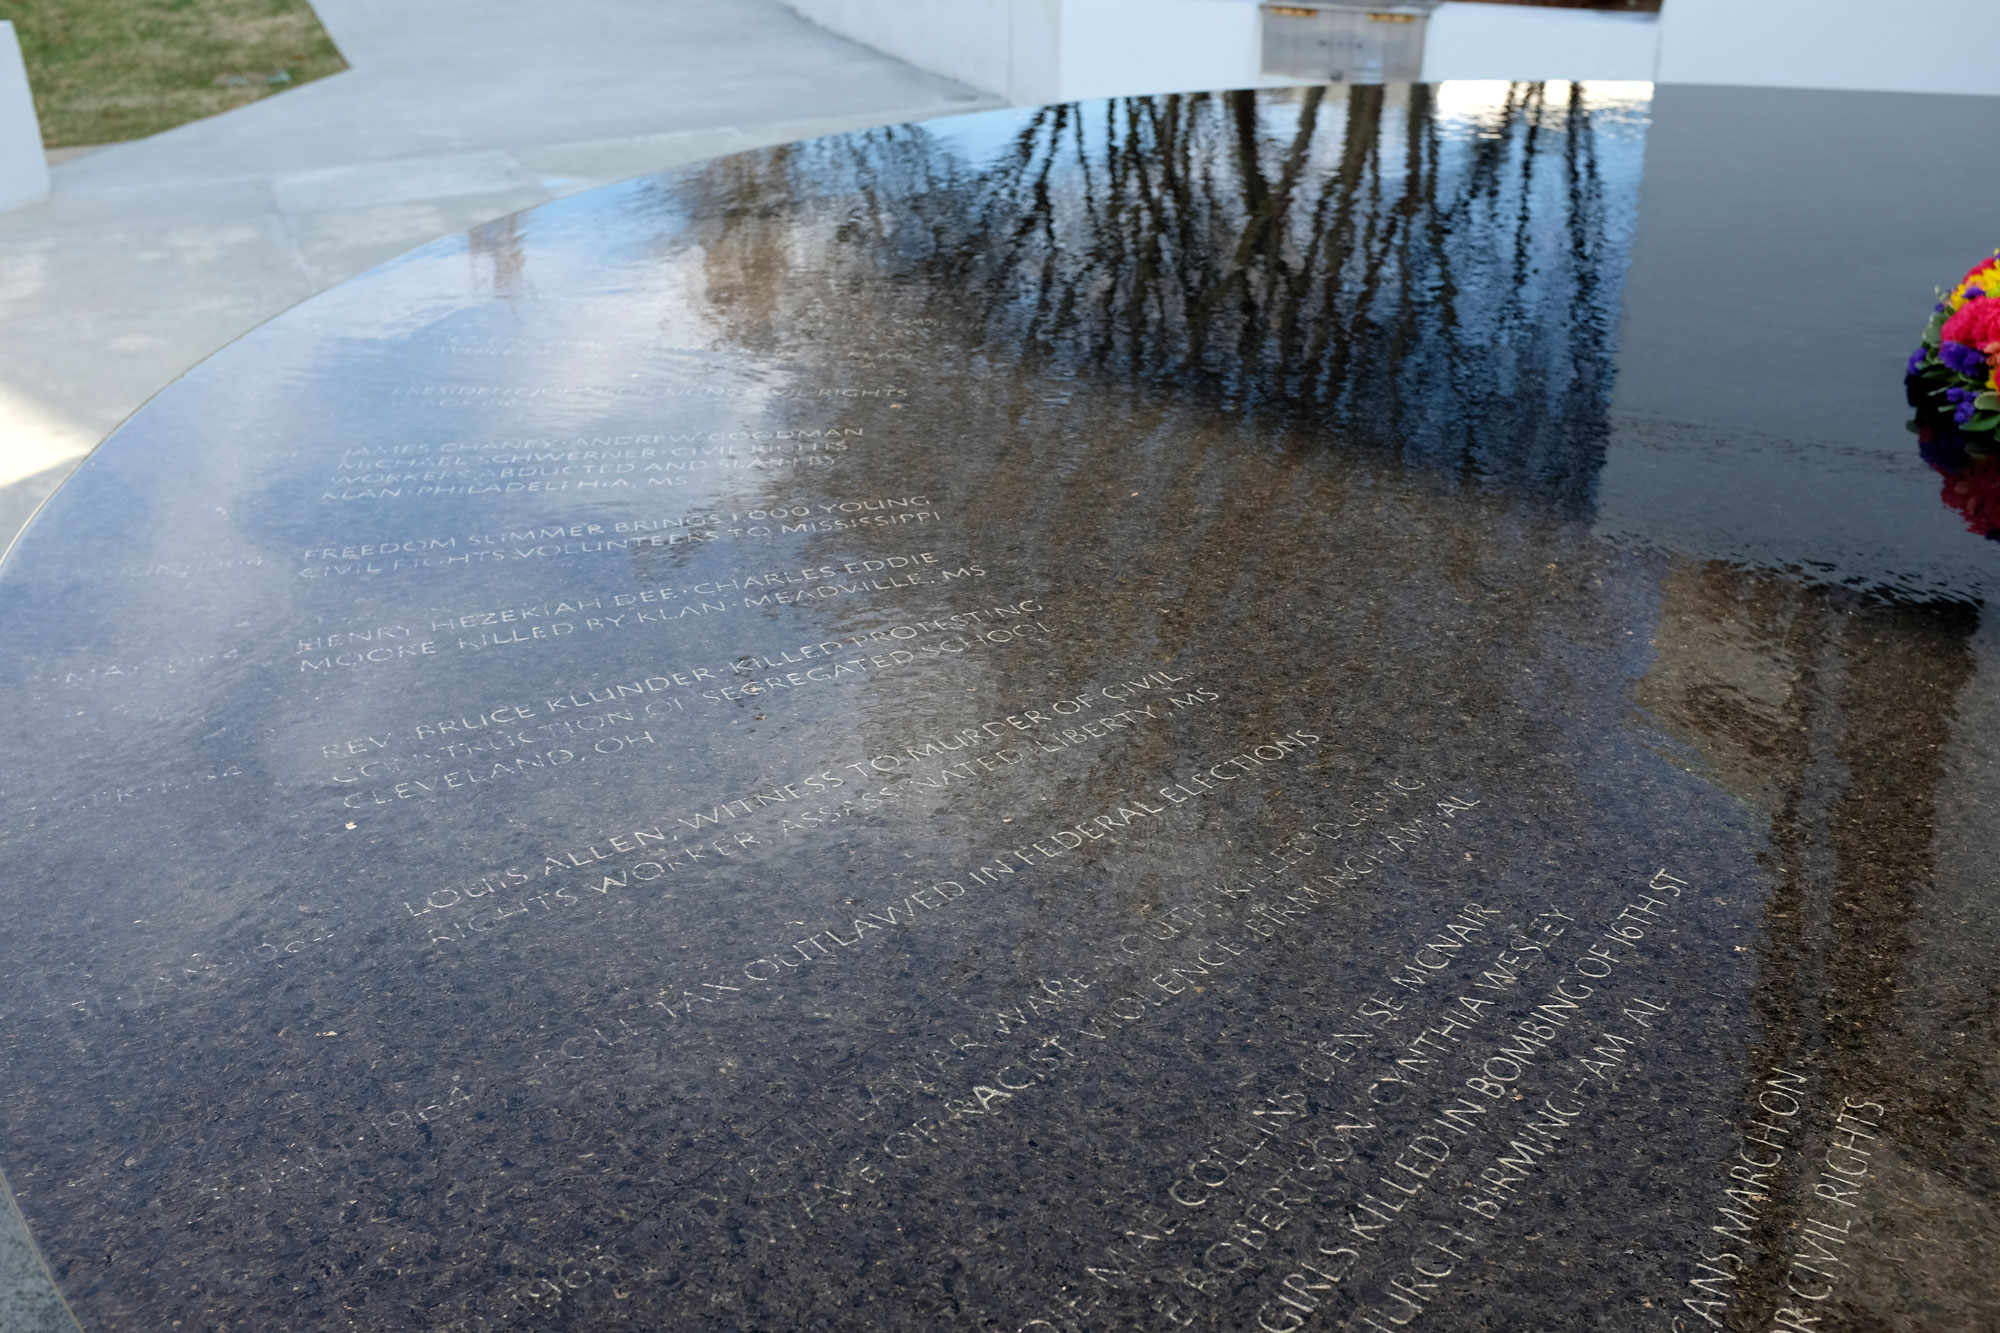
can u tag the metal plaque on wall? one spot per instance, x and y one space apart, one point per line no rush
1347 43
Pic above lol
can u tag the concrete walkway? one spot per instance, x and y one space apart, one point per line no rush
150 255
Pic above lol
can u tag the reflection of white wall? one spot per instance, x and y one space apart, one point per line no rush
1034 51
1918 46
1741 429
24 171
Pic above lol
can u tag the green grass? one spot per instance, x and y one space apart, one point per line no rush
106 70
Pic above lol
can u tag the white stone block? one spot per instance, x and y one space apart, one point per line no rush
1915 46
1008 47
1516 43
24 167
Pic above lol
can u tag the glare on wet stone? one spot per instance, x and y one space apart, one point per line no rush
1118 716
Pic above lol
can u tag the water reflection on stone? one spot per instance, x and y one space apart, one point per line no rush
1038 722
1447 308
1441 286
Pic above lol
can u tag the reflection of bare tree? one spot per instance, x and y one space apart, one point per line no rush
1833 716
1339 259
1318 258
1345 263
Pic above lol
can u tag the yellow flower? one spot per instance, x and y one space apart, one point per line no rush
1986 278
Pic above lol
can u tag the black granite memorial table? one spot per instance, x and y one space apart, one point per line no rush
1301 710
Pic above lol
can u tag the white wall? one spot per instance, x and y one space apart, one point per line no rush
1120 48
1521 43
1009 47
24 168
1918 46
1035 51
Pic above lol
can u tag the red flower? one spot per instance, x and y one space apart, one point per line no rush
1978 269
1977 323
1975 493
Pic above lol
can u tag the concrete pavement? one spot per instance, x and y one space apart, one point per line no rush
149 255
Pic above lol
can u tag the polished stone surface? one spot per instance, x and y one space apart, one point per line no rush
151 255
1113 717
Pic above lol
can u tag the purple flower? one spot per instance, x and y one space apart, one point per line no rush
1967 361
1917 361
1973 293
1963 412
1943 449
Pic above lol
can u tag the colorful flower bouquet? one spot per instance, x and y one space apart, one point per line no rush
1954 384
